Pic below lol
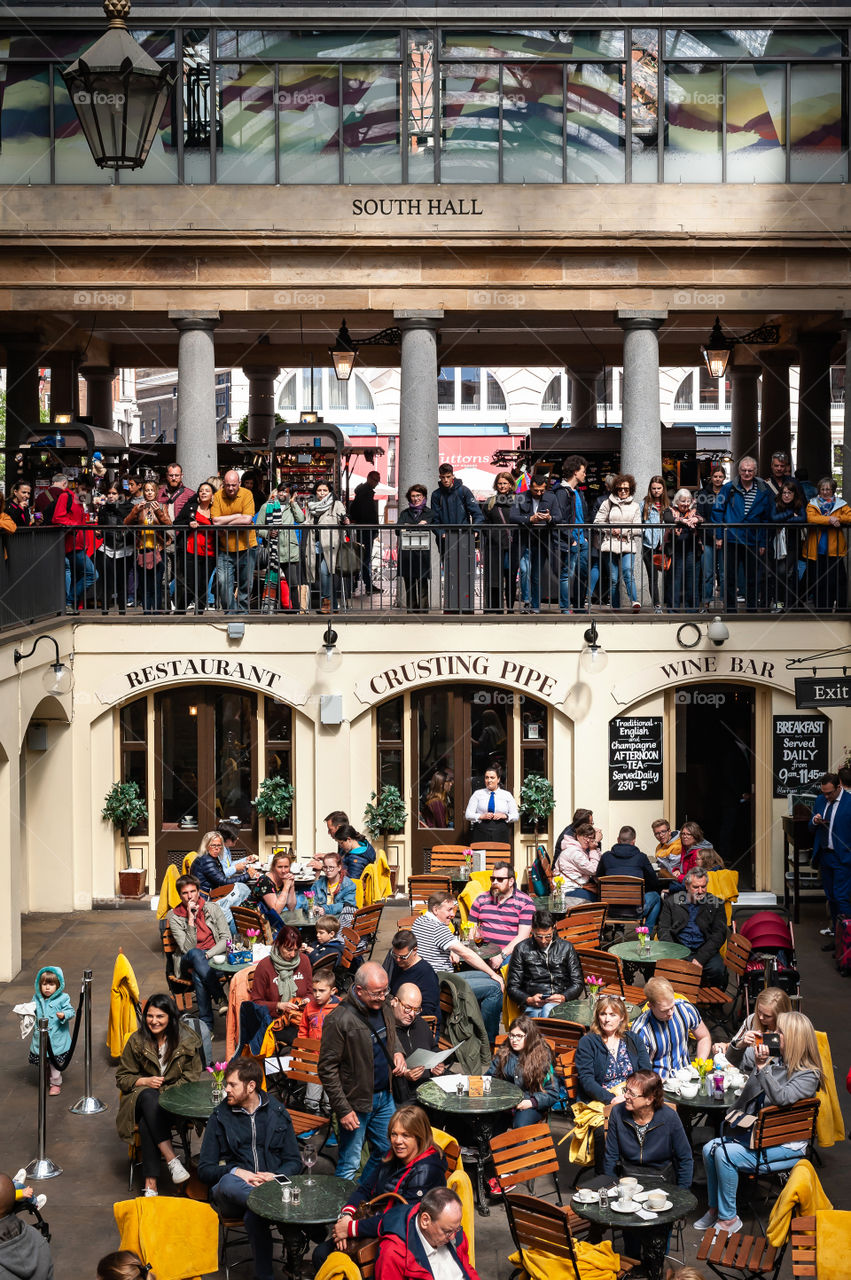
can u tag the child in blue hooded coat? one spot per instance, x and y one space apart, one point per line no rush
53 1003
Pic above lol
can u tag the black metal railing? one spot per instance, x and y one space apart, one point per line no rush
420 569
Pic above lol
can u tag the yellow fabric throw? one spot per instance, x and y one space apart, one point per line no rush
594 1261
479 883
187 862
338 1266
829 1126
510 1010
833 1243
169 897
724 884
588 1116
123 998
178 1237
459 1182
802 1191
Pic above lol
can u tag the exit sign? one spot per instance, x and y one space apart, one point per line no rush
823 691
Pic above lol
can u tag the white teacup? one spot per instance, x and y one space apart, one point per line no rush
688 1089
656 1199
673 1085
627 1188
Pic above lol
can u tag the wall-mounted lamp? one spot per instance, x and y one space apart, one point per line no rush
690 634
329 640
345 350
58 679
719 345
593 657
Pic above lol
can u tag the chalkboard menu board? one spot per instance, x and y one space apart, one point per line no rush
635 758
800 752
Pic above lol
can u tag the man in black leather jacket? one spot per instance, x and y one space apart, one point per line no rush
698 921
544 970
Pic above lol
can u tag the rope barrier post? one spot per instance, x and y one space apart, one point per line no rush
42 1167
87 1105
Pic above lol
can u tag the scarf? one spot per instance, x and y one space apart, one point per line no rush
416 507
318 506
825 506
284 973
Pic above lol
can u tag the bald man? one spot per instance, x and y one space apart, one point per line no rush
237 552
412 1033
358 1058
24 1253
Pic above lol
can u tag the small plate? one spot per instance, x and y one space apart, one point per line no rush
663 1208
617 1207
638 1187
586 1197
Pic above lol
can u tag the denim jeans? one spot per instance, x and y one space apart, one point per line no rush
531 1011
196 966
80 574
571 560
373 1125
230 1197
622 564
524 566
723 1158
488 993
235 570
652 908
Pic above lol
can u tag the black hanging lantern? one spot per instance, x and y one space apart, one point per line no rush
119 94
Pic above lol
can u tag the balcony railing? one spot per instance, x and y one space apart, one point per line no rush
418 570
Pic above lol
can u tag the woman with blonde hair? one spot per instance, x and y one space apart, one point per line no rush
777 1079
619 515
656 503
768 1006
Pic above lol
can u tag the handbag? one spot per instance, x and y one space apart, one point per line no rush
348 558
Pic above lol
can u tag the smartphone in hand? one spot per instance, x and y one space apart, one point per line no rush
771 1040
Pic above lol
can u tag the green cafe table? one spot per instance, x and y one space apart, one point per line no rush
191 1103
220 964
583 1011
654 1233
322 1198
471 1120
634 957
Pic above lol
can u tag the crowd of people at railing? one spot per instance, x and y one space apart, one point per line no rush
772 544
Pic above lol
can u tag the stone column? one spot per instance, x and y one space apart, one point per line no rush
775 430
419 444
196 441
744 429
99 396
261 401
814 451
22 407
641 434
64 395
583 399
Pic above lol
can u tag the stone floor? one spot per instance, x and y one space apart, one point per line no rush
94 1161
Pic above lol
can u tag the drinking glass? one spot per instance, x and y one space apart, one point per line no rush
308 1159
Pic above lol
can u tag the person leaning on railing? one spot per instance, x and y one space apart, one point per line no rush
745 506
414 548
826 546
621 540
148 516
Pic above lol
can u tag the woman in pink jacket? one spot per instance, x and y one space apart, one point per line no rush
577 861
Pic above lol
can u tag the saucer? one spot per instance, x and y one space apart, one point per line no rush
663 1208
586 1197
632 1206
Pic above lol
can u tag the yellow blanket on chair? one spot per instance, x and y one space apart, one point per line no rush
833 1244
588 1116
594 1261
178 1237
803 1192
123 998
169 897
339 1264
829 1125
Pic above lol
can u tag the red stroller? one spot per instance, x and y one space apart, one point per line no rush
772 962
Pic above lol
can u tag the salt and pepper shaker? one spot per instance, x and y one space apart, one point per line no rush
286 1194
296 1194
604 1199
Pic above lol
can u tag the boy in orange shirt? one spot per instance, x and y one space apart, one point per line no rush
323 1000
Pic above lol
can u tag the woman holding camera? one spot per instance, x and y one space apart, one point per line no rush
150 567
784 1068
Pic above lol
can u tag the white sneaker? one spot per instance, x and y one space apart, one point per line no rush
708 1220
150 1191
40 1202
178 1171
21 1175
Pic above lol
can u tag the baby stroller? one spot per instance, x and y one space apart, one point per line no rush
773 961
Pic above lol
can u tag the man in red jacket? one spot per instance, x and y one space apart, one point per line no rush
425 1242
80 572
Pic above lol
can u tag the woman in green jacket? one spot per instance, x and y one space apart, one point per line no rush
161 1053
281 512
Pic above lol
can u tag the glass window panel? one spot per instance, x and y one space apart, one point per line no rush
390 769
816 125
134 768
161 164
446 388
496 398
816 42
534 721
323 45
338 393
308 121
756 123
286 400
197 107
371 122
595 123
532 123
684 396
134 721
179 757
708 390
693 110
551 398
247 152
488 733
434 726
469 126
234 715
645 105
363 395
471 388
390 716
421 89
278 721
314 401
74 161
65 46
24 123
539 44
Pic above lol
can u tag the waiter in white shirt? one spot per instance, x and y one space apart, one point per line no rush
492 810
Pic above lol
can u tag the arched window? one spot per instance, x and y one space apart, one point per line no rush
363 395
495 394
286 400
684 399
551 399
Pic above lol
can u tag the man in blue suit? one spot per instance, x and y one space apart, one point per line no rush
831 825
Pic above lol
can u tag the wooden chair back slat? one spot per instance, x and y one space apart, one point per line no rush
683 976
445 861
494 852
802 1244
450 848
559 1034
738 951
521 1154
622 891
251 918
351 942
602 964
582 932
777 1126
420 888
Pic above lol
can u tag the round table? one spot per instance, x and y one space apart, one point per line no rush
714 1108
301 920
653 1246
583 1011
321 1203
634 958
225 966
481 1112
191 1103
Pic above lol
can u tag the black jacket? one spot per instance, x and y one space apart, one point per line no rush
455 506
346 1060
521 514
711 920
533 971
363 508
264 1141
627 860
423 976
592 1059
210 875
409 1180
408 1039
665 1143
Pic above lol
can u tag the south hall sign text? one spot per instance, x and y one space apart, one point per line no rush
481 666
460 207
172 670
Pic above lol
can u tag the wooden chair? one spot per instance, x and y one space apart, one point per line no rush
559 1034
522 1154
605 965
302 1071
406 922
736 957
684 976
494 852
444 857
250 918
565 1069
776 1127
181 990
351 942
583 926
365 924
420 888
802 1243
624 897
547 1229
740 1255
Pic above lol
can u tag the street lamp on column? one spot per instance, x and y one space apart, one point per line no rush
719 346
345 349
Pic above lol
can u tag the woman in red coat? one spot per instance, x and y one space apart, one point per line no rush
412 1238
284 980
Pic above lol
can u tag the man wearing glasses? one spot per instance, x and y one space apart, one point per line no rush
358 1058
403 964
746 504
439 946
425 1242
412 1033
503 916
544 970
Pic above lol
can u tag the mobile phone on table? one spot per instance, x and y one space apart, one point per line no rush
282 1180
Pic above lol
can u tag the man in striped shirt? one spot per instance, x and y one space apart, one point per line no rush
438 946
665 1026
503 916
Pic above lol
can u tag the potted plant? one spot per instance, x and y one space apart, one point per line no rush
537 800
125 809
386 813
274 801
